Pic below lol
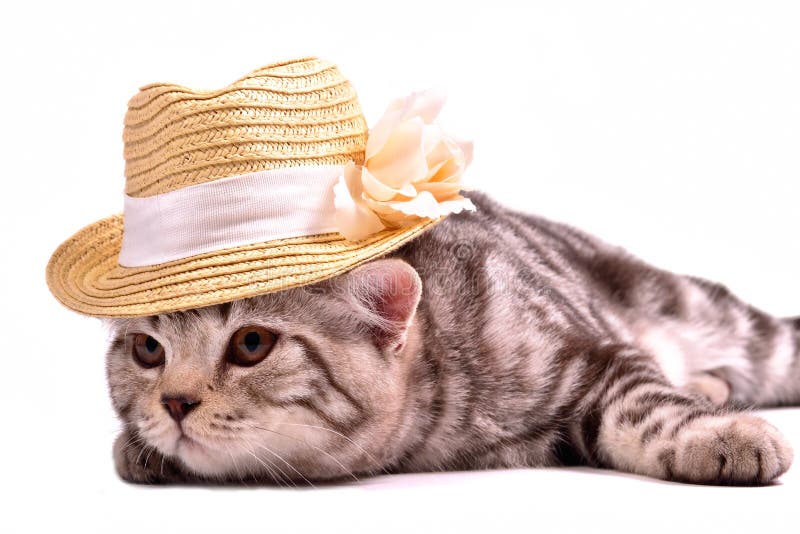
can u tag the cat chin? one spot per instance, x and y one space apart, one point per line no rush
200 458
209 462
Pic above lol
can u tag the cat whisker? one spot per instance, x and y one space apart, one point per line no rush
136 438
267 467
283 476
235 466
147 458
359 447
323 451
287 463
144 448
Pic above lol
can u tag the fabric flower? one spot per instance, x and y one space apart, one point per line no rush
412 171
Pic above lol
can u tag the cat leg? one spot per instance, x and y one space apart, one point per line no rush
756 354
142 464
695 326
632 419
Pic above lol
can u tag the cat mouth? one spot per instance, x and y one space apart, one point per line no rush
197 456
188 445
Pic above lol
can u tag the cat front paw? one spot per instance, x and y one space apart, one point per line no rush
739 449
138 463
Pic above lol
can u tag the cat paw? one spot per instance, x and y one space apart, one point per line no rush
736 449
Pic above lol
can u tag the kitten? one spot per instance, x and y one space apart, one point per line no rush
496 339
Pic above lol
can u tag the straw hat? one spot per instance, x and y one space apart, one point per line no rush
230 194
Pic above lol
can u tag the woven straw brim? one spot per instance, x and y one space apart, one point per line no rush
85 276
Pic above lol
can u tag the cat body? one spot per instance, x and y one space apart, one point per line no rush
495 339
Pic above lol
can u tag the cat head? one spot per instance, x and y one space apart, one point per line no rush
307 382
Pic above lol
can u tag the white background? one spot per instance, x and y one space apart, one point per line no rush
671 128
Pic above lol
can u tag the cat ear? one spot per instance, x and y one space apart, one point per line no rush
386 294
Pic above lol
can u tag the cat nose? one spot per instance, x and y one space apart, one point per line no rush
178 405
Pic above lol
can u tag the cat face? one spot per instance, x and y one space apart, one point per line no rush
303 383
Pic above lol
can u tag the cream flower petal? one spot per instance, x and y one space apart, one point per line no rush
354 219
432 138
467 148
446 162
450 171
380 133
456 205
425 105
412 171
377 190
424 205
401 161
440 190
443 151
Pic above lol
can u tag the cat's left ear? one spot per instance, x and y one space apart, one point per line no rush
385 294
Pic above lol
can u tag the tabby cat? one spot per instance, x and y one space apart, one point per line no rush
496 339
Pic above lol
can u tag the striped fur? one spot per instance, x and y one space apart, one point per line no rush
532 344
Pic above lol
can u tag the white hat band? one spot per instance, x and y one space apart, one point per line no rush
229 212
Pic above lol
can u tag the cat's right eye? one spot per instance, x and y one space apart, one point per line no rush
147 351
249 345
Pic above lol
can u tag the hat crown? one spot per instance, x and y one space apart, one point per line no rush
293 113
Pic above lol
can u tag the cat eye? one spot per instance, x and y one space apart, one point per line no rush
147 351
249 345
